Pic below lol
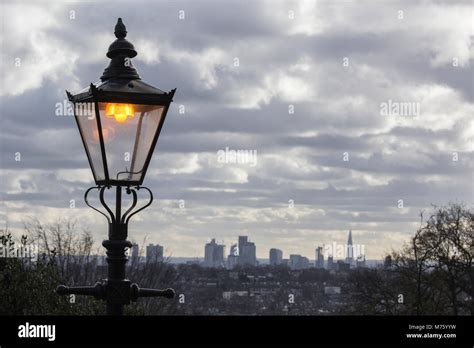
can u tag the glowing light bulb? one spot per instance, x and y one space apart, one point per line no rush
119 111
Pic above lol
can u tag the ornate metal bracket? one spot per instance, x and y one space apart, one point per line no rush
116 289
129 291
124 218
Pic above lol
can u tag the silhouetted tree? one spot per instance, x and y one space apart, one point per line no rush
65 256
431 275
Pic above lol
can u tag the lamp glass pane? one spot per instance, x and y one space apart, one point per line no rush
85 116
129 130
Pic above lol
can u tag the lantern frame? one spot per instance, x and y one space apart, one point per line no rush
120 83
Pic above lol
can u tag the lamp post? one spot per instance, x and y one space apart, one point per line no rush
119 120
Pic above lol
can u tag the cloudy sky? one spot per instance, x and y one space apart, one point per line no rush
301 83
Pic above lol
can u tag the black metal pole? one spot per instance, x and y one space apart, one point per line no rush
118 204
117 286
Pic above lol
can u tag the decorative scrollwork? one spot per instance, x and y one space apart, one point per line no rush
101 194
134 203
143 207
111 218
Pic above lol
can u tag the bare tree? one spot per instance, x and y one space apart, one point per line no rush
433 273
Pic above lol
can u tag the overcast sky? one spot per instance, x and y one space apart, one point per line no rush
240 68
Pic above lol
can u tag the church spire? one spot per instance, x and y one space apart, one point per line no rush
350 249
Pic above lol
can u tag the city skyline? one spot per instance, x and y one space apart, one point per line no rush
292 121
215 253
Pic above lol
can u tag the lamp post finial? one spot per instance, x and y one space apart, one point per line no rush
120 29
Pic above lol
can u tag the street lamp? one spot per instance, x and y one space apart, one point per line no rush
119 120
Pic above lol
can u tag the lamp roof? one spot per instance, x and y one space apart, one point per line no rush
120 80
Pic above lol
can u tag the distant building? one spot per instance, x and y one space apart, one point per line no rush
319 259
276 256
330 262
135 250
298 262
233 258
332 290
342 266
213 254
247 252
154 253
360 262
350 249
227 295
